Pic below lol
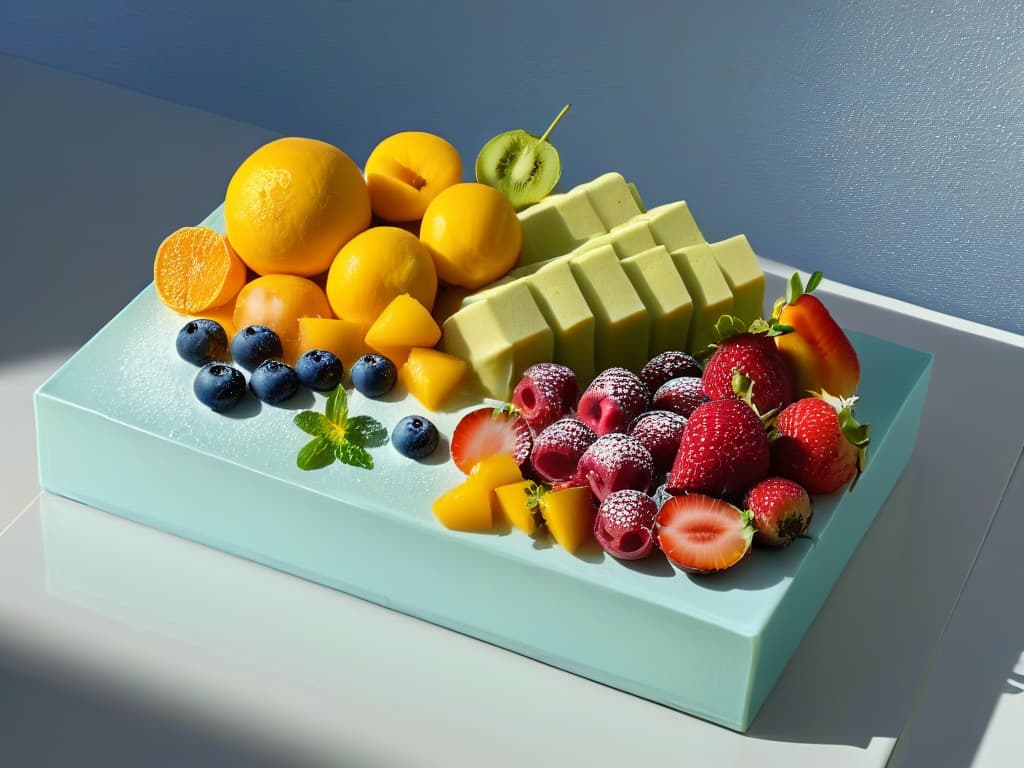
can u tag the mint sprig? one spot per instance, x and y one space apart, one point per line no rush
338 436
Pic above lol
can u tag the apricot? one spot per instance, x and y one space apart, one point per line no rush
408 170
472 233
278 301
376 266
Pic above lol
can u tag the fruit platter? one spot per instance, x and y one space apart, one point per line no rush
547 416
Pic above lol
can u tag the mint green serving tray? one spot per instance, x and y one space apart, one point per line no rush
119 429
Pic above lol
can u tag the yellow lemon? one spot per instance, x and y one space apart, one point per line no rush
292 204
376 266
472 233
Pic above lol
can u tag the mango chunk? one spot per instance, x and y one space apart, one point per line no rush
499 469
569 514
403 323
341 337
466 507
514 501
431 376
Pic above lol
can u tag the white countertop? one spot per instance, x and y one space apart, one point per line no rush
129 645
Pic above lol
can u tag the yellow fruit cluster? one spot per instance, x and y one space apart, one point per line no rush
495 494
330 258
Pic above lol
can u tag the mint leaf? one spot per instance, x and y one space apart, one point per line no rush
367 431
337 406
312 423
353 455
316 454
814 282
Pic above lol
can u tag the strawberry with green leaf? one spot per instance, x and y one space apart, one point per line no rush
337 435
818 352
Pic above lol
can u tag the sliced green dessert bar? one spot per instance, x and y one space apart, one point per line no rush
621 323
744 275
557 225
499 336
626 239
656 279
707 287
612 199
672 225
568 315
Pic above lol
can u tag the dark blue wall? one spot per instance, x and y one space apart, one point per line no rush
882 142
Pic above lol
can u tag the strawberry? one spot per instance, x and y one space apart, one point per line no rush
818 352
613 399
545 393
702 534
781 509
485 432
755 356
723 451
817 443
624 526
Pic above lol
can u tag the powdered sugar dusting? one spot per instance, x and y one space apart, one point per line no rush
660 433
672 364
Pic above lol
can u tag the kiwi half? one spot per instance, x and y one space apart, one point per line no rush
522 166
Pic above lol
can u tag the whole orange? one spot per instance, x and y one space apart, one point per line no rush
278 301
376 266
292 204
472 233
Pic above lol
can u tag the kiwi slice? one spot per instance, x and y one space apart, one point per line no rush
520 165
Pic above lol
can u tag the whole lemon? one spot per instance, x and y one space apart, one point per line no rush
472 233
292 204
376 266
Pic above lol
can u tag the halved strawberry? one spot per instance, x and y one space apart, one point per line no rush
817 350
488 431
702 534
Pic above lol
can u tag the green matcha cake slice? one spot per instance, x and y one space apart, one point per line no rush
557 225
621 323
499 336
744 275
568 315
626 239
672 225
612 199
707 287
656 279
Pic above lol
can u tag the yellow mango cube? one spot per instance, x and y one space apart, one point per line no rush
466 507
431 376
341 337
403 323
496 470
569 514
516 501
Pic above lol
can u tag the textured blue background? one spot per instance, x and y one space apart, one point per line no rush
880 141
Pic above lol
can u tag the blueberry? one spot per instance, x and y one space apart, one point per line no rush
374 375
415 437
274 381
254 344
219 386
202 341
319 370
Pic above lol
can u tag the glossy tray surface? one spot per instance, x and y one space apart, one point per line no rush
119 428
